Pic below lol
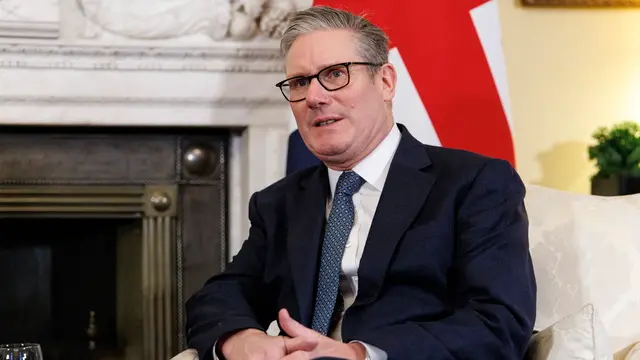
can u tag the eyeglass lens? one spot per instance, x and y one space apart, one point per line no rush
332 78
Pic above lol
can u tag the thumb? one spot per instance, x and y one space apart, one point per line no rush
292 327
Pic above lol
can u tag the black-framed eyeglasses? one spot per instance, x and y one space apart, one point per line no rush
332 78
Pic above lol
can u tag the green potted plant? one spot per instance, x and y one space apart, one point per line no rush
617 156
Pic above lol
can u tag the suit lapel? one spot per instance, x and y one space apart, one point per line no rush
404 194
306 208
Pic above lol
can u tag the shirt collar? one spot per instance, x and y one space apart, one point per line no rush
375 166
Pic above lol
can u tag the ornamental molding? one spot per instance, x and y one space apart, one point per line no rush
29 29
229 58
219 102
33 19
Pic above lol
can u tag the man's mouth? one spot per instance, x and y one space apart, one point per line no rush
326 122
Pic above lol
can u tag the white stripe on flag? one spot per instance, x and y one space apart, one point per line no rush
408 108
486 20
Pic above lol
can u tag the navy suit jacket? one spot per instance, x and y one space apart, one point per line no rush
445 274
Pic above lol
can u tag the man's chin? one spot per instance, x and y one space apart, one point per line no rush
337 160
329 152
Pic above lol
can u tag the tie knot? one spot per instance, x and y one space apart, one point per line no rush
348 183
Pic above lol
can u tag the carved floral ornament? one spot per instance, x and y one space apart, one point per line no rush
168 19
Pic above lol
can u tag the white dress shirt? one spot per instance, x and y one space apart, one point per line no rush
373 169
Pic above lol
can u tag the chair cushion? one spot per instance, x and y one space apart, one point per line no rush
586 249
578 336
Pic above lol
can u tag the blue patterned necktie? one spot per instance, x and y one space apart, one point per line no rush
335 238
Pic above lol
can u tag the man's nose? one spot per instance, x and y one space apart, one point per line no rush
316 94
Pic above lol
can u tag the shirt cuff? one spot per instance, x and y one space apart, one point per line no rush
373 353
214 352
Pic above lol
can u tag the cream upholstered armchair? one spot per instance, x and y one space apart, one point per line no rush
586 254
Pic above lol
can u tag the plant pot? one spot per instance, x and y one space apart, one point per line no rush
615 185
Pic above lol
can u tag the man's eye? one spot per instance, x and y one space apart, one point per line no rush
299 83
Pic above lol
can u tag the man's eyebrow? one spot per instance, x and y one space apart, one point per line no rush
299 73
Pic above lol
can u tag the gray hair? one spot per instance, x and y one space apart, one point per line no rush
372 42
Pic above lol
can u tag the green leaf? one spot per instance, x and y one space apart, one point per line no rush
634 157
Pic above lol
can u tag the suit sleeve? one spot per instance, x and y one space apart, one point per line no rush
493 282
234 300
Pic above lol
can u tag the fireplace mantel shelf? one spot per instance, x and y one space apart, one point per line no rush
219 58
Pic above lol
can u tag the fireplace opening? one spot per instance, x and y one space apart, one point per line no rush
105 234
72 285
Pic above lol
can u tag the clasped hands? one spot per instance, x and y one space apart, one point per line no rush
303 344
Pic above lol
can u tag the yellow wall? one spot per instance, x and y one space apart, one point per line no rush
570 71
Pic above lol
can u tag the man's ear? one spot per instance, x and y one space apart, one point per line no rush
389 82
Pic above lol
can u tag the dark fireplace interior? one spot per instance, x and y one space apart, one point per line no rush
54 273
106 232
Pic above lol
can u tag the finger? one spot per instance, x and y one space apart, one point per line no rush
292 327
292 345
298 355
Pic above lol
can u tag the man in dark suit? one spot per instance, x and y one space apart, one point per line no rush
389 249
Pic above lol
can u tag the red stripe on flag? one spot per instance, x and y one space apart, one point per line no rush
443 54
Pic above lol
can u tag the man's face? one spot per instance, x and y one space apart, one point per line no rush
360 110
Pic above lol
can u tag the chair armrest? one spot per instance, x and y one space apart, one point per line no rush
631 352
189 354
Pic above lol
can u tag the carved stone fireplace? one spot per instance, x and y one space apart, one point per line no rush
105 107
